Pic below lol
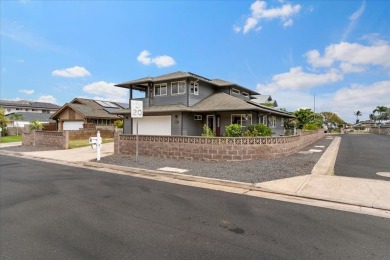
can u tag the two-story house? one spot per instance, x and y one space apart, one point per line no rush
180 103
11 106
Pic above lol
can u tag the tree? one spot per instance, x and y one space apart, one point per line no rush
307 116
15 117
383 113
357 114
3 121
333 119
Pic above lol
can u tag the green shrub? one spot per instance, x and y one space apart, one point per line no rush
310 126
118 123
207 131
258 130
233 130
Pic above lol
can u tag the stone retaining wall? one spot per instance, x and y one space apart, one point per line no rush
380 130
87 133
214 148
45 138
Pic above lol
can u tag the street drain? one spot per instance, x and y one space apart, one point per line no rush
384 174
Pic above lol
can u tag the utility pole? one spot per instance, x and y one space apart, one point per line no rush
314 103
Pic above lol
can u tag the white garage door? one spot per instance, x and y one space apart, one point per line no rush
153 125
73 125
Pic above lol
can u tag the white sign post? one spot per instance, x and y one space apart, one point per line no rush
137 111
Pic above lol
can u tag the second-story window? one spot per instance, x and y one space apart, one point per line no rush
178 87
235 91
160 89
194 87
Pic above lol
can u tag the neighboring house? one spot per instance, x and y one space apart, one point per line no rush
87 113
28 106
26 117
181 103
364 125
264 100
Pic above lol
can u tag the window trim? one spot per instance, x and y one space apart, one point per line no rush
195 86
160 85
236 91
197 117
179 93
273 121
245 94
241 118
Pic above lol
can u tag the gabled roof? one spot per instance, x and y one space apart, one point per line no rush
30 116
139 84
88 108
222 102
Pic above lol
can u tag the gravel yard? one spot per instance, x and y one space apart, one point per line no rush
249 171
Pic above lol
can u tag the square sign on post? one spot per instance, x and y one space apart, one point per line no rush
137 109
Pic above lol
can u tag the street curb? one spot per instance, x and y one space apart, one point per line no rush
325 165
220 182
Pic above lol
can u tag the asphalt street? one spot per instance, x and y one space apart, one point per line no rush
51 211
363 155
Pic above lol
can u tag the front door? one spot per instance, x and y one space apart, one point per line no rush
210 121
218 129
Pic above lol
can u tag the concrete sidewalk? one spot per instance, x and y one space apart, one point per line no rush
82 154
320 185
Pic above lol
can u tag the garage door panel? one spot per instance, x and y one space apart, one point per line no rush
153 125
72 125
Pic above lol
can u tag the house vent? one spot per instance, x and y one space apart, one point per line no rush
197 117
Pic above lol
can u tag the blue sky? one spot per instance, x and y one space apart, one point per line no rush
338 51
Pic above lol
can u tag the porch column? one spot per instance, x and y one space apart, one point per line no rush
215 122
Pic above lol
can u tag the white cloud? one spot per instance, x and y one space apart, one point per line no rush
259 11
351 53
349 68
236 28
297 79
143 57
48 99
288 23
159 61
107 91
344 102
74 72
27 91
353 20
363 98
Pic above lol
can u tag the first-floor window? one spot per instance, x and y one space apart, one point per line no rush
282 121
160 89
265 120
178 87
243 120
273 121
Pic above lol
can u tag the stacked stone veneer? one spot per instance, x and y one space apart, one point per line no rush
214 148
48 139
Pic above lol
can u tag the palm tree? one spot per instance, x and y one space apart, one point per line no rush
357 114
382 111
16 117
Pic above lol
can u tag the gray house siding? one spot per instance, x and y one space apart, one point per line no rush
192 127
169 98
205 90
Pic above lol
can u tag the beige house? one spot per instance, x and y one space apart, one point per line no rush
83 113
